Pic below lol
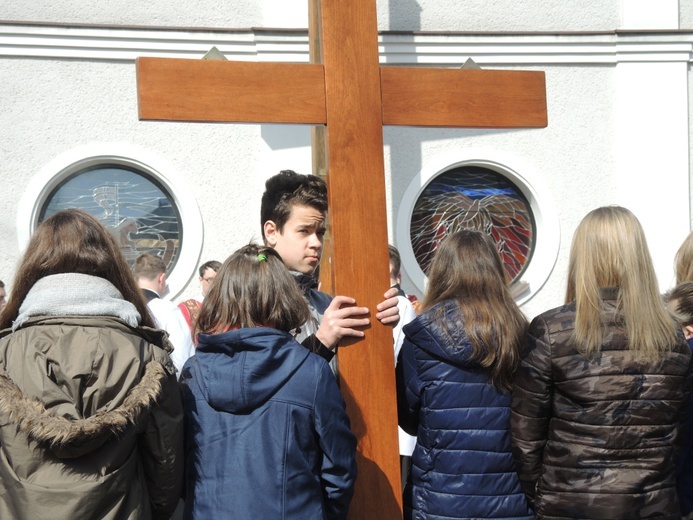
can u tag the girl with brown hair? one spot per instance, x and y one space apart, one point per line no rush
457 365
90 414
267 435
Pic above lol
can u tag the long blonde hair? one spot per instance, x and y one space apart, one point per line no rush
684 261
609 249
467 269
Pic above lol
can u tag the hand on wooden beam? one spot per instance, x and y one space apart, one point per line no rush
340 321
388 312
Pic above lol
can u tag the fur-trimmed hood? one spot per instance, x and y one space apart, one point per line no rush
73 383
74 437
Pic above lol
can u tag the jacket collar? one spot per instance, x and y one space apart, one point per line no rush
75 294
306 282
609 293
149 295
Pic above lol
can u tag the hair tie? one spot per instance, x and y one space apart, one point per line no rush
261 257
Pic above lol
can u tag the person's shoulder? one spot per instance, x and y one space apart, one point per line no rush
165 310
193 302
560 313
319 299
313 363
404 301
556 319
406 309
189 303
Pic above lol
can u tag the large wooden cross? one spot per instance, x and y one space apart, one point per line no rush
350 93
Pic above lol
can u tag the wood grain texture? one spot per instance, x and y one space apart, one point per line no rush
463 97
358 224
230 91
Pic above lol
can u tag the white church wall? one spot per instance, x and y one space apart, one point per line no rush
153 13
408 15
508 15
652 155
644 14
652 131
83 103
685 14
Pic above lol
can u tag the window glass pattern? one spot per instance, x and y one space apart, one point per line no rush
474 197
133 206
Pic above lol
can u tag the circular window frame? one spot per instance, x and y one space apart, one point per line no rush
547 242
67 164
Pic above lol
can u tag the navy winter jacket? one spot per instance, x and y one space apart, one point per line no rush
462 466
267 435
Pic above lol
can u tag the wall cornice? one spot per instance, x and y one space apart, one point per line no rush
107 43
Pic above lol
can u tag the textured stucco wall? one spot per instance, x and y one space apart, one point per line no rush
190 13
63 105
398 15
500 15
686 14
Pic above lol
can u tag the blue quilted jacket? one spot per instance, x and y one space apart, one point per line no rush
462 466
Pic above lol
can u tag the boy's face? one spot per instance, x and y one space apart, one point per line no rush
206 280
299 243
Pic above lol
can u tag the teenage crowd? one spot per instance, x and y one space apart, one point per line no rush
582 413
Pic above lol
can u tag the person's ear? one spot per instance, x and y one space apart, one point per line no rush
270 230
161 279
688 331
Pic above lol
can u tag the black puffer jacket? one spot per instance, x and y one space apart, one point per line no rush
595 438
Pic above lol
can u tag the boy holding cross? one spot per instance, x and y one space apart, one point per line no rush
293 213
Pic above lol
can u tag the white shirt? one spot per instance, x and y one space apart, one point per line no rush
169 317
406 314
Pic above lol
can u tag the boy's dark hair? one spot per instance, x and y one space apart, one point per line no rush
2 284
287 189
680 303
395 260
214 265
253 288
148 266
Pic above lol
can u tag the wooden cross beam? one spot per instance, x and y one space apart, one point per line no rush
354 97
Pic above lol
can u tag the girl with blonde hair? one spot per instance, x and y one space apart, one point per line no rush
603 384
684 261
456 371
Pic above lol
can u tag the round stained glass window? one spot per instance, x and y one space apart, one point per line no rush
474 197
134 207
